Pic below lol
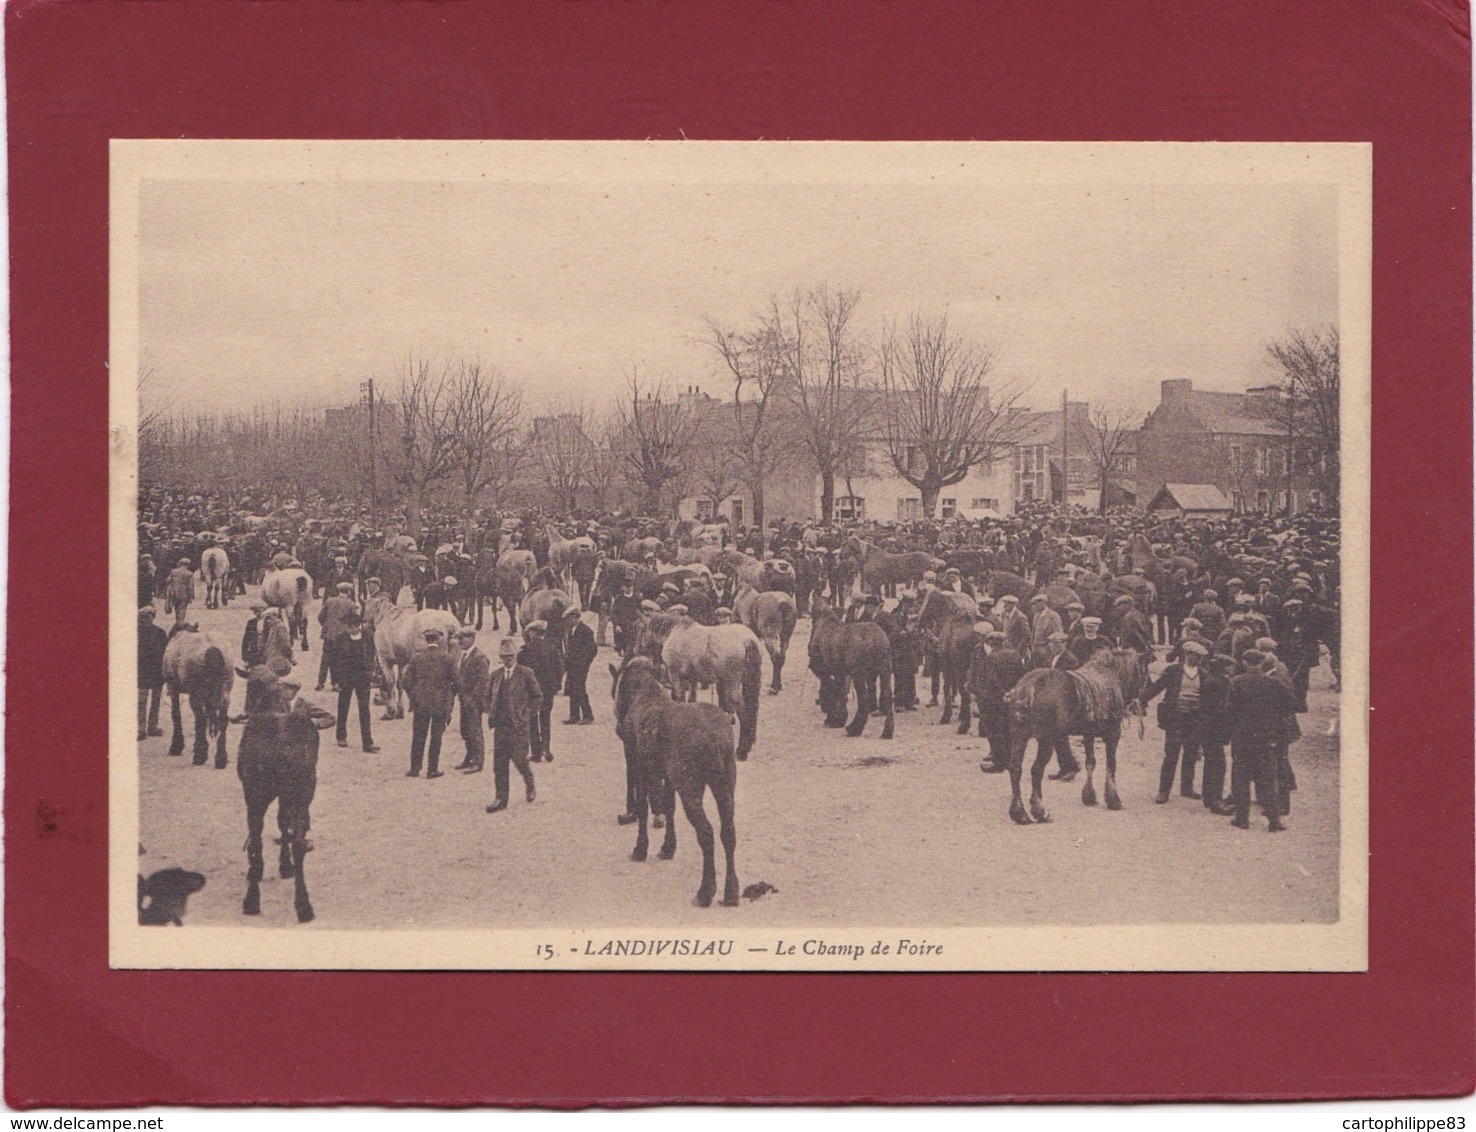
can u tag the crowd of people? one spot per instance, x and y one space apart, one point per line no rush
1239 608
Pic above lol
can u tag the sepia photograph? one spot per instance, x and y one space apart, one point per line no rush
739 556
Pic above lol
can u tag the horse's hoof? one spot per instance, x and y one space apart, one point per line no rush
1088 795
305 913
286 872
704 900
1018 815
1038 813
175 753
220 764
850 734
1114 802
250 907
773 691
665 854
730 900
198 760
887 732
638 854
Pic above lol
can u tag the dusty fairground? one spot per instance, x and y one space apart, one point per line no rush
848 831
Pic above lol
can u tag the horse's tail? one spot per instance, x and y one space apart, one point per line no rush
214 674
748 711
787 616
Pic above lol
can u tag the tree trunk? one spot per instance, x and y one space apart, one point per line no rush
1102 495
827 495
929 499
756 493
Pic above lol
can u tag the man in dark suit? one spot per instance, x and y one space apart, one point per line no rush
1187 687
1054 654
473 671
1258 707
351 662
1089 641
996 668
543 655
579 654
430 682
334 617
152 641
513 700
251 654
625 615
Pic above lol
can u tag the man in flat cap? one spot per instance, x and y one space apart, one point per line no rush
579 654
1257 708
1187 686
333 620
179 591
276 641
1133 630
541 653
430 682
1014 624
351 663
1054 654
251 636
1043 622
625 615
152 641
994 670
1090 642
473 675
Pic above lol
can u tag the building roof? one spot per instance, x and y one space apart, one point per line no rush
1240 413
1193 497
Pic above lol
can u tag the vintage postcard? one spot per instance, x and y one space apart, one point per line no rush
739 556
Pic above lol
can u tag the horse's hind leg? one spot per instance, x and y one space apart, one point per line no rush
202 730
1109 787
886 705
1088 791
299 828
864 704
176 741
776 663
222 721
1043 752
947 692
255 819
668 809
1017 764
722 792
692 803
964 715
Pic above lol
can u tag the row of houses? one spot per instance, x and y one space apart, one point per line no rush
1197 451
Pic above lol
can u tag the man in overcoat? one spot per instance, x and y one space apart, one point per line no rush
513 701
996 668
1258 706
180 591
351 662
543 655
473 673
152 641
430 682
579 654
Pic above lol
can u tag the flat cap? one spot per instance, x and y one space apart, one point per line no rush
1194 647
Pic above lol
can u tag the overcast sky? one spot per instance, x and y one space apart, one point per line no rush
265 290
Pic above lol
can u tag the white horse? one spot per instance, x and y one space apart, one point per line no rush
290 589
399 633
215 568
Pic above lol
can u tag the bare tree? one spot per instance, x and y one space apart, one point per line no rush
424 418
486 416
605 460
1110 444
757 361
153 407
718 471
562 448
827 375
1310 407
939 417
656 435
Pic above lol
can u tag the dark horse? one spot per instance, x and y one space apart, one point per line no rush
278 761
858 654
948 620
1051 704
677 749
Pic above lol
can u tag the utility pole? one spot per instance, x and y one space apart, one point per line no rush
1291 426
373 477
1065 454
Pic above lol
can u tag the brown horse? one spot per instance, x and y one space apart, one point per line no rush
843 655
678 749
1051 704
278 762
881 569
195 664
947 620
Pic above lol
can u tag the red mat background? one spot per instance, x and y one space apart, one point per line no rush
1394 73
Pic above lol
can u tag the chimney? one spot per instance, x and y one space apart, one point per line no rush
1175 391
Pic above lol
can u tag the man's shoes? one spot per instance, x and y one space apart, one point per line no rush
1191 794
318 688
1275 827
412 774
155 733
142 735
1238 824
1222 810
475 768
993 768
495 807
370 749
1162 798
435 774
343 742
626 818
1068 775
548 756
462 765
536 757
567 722
586 722
532 793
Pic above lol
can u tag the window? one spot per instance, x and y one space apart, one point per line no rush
1314 498
850 507
984 504
908 509
1261 462
1235 458
1263 501
737 506
1238 502
950 508
705 510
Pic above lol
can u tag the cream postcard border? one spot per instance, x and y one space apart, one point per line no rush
718 945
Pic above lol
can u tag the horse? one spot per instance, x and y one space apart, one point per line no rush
774 574
215 568
727 656
770 616
399 634
545 601
678 749
859 653
389 568
195 664
278 762
564 554
163 897
290 589
948 619
1051 705
881 569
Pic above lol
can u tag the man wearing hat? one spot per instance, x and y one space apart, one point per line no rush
699 605
179 591
1210 616
1257 710
148 579
541 653
513 702
430 682
1187 686
994 670
625 615
579 654
333 620
152 642
473 674
1090 642
1043 622
1133 630
438 592
953 582
722 615
351 663
1053 654
251 636
1075 611
1014 624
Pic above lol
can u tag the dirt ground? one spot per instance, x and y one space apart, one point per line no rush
849 831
